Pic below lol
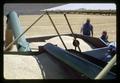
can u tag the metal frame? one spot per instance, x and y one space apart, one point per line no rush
18 37
103 72
56 30
71 30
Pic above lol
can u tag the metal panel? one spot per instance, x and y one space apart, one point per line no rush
97 53
80 64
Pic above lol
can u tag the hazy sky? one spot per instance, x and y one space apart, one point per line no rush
93 6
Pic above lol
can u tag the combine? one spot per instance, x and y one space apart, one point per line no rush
68 63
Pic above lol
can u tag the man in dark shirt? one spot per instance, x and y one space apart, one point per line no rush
104 36
87 28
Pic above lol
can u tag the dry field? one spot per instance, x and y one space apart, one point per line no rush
44 26
26 67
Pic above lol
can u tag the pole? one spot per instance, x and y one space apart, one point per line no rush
56 30
71 29
106 69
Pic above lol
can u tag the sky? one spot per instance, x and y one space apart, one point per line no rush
92 6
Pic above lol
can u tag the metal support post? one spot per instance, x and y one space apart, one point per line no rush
71 30
56 30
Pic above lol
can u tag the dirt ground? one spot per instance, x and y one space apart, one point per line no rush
44 26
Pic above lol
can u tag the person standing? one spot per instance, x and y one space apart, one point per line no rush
87 28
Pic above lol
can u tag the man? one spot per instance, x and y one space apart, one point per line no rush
87 28
104 36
